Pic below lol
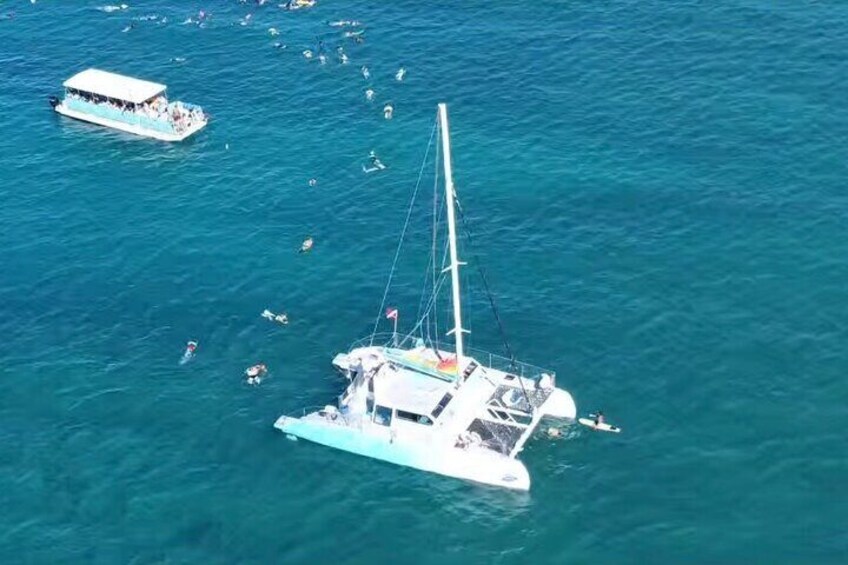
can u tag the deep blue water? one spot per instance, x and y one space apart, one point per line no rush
658 195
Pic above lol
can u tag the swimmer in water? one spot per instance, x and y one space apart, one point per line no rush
281 318
313 182
369 95
307 244
128 28
400 74
343 59
188 354
322 59
255 373
273 31
374 163
366 74
388 111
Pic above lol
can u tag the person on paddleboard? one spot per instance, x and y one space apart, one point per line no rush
599 418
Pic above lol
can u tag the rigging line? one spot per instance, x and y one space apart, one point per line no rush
427 306
402 234
491 297
421 313
430 304
431 263
430 310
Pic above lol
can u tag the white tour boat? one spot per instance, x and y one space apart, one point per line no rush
446 409
128 104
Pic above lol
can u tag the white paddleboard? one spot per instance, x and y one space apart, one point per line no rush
602 427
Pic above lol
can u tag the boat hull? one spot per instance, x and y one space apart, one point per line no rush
473 464
129 128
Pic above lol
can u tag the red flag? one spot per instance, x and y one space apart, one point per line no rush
392 314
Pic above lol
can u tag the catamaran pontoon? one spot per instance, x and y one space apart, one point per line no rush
448 410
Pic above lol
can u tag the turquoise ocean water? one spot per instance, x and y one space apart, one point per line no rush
658 194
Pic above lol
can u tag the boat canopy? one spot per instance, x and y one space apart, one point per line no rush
408 390
115 86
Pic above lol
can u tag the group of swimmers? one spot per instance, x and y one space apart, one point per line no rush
254 373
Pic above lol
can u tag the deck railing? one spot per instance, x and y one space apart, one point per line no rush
499 362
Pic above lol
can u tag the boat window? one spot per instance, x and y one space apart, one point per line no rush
383 416
371 385
499 414
369 405
441 405
412 417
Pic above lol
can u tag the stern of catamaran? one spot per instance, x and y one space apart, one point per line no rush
560 404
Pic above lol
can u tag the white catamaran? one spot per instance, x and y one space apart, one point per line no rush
417 403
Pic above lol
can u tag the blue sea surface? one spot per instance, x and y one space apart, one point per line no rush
658 194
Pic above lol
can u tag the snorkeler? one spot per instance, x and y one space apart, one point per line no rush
281 318
255 373
188 354
306 245
374 163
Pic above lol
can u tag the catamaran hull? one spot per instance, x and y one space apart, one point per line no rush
477 465
129 128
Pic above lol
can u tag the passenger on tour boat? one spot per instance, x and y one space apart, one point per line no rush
157 109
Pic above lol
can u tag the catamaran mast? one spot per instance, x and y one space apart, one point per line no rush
454 264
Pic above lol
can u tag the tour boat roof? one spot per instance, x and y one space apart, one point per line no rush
115 86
